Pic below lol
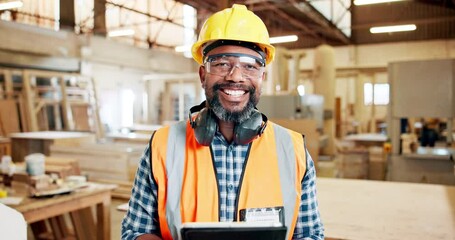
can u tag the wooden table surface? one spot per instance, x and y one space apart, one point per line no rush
367 139
97 195
366 209
50 135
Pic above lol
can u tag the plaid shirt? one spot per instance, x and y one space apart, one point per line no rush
142 215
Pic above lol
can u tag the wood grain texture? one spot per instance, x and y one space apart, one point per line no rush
376 210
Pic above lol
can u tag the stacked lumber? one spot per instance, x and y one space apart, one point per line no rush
352 164
63 167
351 161
111 161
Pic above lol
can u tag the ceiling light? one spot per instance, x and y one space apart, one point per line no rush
366 2
10 5
396 28
121 33
283 39
184 48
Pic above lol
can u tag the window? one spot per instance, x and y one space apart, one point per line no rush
379 93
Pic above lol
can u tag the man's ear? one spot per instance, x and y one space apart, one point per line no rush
202 74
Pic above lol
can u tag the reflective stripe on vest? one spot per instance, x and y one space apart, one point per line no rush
289 176
174 170
286 165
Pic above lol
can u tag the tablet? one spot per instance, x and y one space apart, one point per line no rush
233 230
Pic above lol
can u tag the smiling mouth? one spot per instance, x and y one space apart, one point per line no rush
234 93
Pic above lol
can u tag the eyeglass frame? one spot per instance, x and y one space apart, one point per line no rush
209 59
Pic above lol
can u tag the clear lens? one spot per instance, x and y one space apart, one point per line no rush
223 65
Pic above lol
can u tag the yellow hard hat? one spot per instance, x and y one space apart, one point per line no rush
238 24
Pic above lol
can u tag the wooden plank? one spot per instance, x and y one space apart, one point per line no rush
9 118
23 114
58 227
81 117
5 147
67 117
103 219
41 117
338 121
71 162
28 97
8 84
40 230
78 225
84 224
100 133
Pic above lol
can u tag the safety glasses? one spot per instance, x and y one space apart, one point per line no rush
223 65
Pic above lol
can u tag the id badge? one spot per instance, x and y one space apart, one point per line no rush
269 215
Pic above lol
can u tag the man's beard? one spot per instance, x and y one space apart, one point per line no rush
230 116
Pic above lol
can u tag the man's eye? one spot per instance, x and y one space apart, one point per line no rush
250 67
221 64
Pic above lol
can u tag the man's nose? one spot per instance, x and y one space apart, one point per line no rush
235 74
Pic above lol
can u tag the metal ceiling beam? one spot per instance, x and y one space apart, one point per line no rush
292 21
99 20
67 16
145 14
198 4
318 18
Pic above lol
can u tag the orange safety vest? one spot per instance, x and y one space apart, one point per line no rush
187 187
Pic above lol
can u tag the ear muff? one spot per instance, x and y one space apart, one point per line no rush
205 126
250 129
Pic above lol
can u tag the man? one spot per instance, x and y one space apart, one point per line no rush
227 158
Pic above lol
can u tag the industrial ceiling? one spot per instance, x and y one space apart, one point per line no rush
435 19
315 22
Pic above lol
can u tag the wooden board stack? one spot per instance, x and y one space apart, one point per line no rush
110 161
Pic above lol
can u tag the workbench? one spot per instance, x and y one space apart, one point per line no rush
427 165
95 195
367 139
376 210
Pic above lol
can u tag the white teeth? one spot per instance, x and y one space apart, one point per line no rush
234 92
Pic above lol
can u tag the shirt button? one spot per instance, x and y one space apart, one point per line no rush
230 148
230 187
